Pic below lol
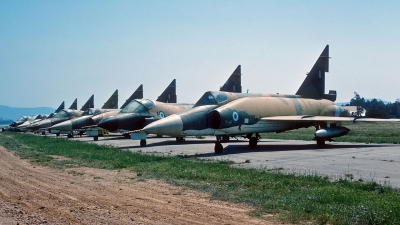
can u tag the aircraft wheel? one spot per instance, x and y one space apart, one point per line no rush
253 142
225 138
159 135
321 142
143 143
44 132
68 135
218 148
95 138
127 136
58 134
180 139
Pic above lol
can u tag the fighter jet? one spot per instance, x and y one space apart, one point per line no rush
139 113
60 116
251 115
91 117
136 112
34 119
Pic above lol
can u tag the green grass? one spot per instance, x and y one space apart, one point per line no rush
361 133
294 199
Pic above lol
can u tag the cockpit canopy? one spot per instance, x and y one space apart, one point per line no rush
65 113
212 98
138 106
23 119
89 111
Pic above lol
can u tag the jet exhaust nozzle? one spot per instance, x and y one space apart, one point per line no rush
331 132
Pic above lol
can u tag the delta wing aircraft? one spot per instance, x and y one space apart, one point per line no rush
13 126
35 118
61 116
139 113
249 116
92 116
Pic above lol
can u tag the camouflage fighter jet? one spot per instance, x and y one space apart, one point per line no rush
34 119
252 115
68 126
61 115
139 113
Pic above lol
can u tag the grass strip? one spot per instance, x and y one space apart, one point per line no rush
292 198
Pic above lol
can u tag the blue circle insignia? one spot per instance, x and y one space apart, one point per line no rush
161 114
235 116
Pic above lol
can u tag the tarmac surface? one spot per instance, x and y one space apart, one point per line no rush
339 160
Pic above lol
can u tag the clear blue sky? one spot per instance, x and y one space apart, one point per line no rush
54 51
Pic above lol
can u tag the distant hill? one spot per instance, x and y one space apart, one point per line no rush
11 113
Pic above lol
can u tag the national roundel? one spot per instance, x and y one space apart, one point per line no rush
161 114
235 116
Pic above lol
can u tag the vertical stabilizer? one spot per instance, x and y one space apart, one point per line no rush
138 94
88 104
169 94
234 83
112 102
74 105
314 84
61 107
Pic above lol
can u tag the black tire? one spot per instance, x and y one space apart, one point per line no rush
143 143
68 135
127 136
218 148
321 143
180 139
253 142
159 135
58 134
95 138
43 132
225 138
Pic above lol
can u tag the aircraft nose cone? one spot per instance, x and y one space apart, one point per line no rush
171 125
44 124
66 125
111 124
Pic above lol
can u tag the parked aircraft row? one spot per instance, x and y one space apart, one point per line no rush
223 114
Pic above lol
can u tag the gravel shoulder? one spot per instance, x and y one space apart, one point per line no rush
32 194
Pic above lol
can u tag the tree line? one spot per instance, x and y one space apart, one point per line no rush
374 108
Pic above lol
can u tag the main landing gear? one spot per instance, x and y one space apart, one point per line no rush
218 148
253 141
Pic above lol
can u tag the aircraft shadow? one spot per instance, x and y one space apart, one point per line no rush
238 149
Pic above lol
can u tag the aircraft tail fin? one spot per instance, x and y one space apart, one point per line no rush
61 107
234 82
112 102
74 105
88 104
314 84
169 94
138 94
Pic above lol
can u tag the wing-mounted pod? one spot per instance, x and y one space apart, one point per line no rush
234 82
112 102
169 94
314 84
88 104
61 107
74 105
138 94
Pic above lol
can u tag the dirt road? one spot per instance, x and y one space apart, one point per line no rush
32 194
